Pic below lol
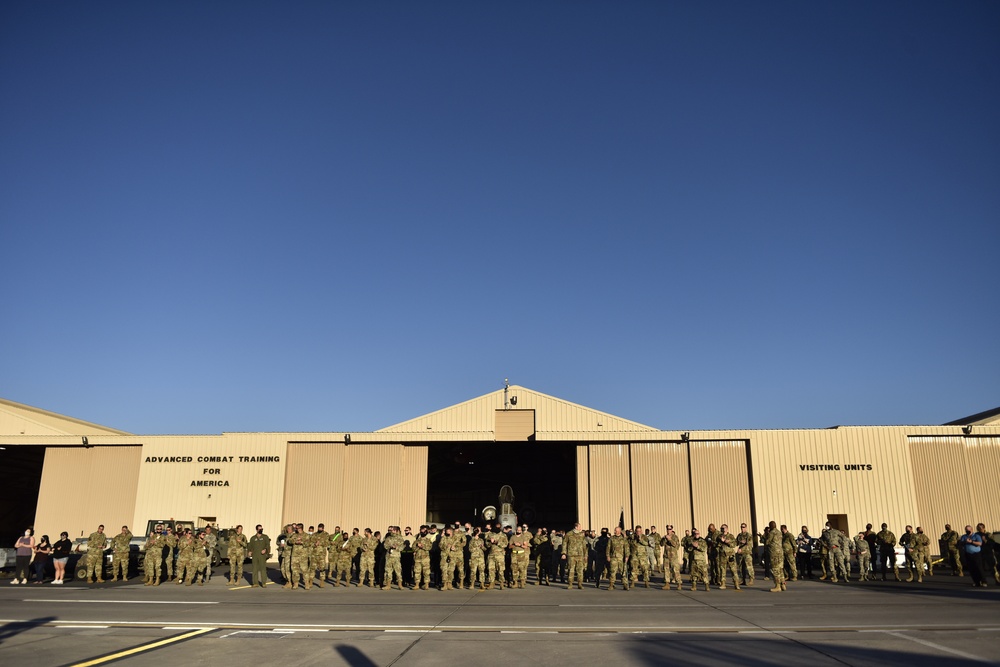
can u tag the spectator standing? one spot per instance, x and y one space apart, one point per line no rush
25 547
43 553
60 554
971 545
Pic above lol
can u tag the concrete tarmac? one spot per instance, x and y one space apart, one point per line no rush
943 621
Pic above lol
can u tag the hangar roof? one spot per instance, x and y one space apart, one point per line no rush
17 418
552 416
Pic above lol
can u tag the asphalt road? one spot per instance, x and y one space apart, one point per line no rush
941 622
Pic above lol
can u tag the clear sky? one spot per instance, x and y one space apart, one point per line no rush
318 216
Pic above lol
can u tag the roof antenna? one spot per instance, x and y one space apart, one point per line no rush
506 401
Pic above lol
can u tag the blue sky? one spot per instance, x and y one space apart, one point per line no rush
312 216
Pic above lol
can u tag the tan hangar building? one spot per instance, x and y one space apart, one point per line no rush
565 462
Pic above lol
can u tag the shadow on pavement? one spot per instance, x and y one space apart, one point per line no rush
9 630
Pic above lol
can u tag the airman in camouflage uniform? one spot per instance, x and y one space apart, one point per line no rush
185 559
211 542
776 556
346 548
618 553
835 542
744 555
726 545
539 543
671 559
393 545
788 549
699 560
96 544
201 558
368 546
520 553
422 547
686 552
120 546
333 547
477 560
447 555
886 541
497 544
170 538
906 541
949 540
653 547
461 539
711 537
319 555
575 552
639 549
237 554
153 561
297 548
864 555
285 553
921 554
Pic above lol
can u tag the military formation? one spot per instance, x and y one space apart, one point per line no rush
496 557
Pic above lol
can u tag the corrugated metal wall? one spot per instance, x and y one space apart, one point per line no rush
514 425
660 490
789 494
720 483
255 489
82 488
983 465
413 509
935 460
373 486
609 485
314 484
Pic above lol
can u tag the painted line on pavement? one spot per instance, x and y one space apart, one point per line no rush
939 647
120 601
89 627
142 648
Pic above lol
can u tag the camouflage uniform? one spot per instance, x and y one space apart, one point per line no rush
921 554
346 549
949 540
448 554
711 538
539 543
520 553
686 552
368 546
726 544
393 544
639 561
776 554
185 558
97 542
461 539
575 550
699 562
655 555
618 555
237 554
335 541
169 544
477 561
864 555
297 546
153 561
285 554
120 544
211 542
744 557
835 561
906 540
671 560
495 564
202 559
318 557
788 549
422 561
887 552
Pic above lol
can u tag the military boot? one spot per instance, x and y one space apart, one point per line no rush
693 586
783 587
156 582
288 584
823 578
665 587
910 578
647 584
737 586
320 583
777 588
834 580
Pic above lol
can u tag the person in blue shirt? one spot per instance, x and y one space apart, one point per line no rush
971 545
